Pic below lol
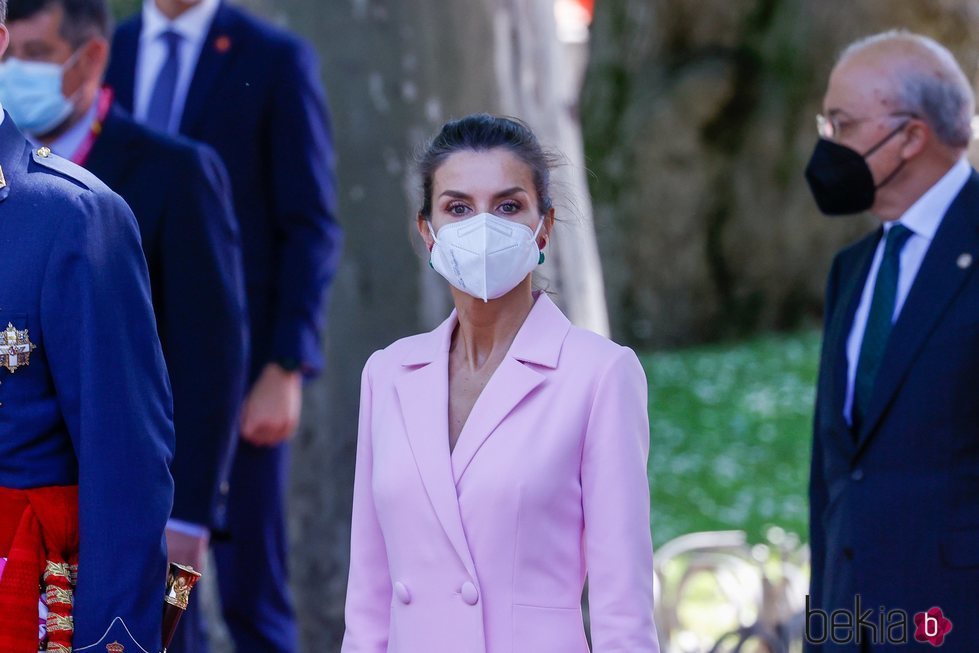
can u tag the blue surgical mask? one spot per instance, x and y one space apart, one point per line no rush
30 91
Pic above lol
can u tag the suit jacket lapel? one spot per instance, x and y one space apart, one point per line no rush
537 343
110 158
511 382
125 53
423 394
218 48
841 323
938 281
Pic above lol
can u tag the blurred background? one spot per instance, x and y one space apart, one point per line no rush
687 232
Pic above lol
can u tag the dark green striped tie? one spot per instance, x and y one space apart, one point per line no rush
879 321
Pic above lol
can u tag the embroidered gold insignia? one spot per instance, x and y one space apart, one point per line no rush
115 647
15 348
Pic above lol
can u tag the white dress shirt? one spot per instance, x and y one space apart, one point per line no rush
193 26
923 219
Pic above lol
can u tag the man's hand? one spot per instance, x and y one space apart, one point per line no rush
185 549
271 411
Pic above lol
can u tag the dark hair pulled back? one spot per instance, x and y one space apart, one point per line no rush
480 132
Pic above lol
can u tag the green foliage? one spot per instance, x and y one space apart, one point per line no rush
122 9
730 436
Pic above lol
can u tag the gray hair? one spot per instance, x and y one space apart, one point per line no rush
929 83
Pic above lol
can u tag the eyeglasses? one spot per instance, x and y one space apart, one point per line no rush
833 127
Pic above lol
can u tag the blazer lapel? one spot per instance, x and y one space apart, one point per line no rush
125 53
538 342
219 47
511 382
938 281
423 394
111 157
840 325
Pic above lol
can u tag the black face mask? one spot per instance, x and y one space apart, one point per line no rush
840 179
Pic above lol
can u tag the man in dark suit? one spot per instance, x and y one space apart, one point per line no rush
181 198
86 432
895 470
210 71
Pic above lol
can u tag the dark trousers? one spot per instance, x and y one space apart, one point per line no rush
252 564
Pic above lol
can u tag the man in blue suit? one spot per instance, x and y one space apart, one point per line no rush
895 469
86 433
181 198
212 72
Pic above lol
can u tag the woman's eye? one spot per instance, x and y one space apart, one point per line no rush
510 207
457 209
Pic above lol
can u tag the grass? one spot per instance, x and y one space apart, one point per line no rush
730 436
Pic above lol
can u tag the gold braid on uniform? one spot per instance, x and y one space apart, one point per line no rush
59 580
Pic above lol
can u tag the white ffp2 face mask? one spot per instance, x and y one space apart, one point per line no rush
485 256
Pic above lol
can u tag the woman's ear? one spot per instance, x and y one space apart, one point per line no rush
548 226
424 229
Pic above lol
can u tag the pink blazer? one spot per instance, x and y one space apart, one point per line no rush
486 550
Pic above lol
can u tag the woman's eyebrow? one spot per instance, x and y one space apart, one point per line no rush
456 194
503 193
510 191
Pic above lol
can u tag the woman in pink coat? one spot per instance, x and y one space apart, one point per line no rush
501 458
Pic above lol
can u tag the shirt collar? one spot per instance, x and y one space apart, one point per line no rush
193 24
925 215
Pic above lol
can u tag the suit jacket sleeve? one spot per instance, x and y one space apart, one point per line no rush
368 604
203 326
304 212
818 496
108 371
615 497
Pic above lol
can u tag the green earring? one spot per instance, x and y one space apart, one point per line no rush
540 261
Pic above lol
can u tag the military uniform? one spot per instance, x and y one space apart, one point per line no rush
85 409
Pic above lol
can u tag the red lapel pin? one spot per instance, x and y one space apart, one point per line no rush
222 44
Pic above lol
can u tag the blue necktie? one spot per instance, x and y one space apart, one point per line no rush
161 101
879 321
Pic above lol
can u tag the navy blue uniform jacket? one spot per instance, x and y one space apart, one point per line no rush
254 79
180 195
93 406
895 506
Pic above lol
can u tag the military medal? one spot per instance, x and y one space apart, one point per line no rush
15 348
